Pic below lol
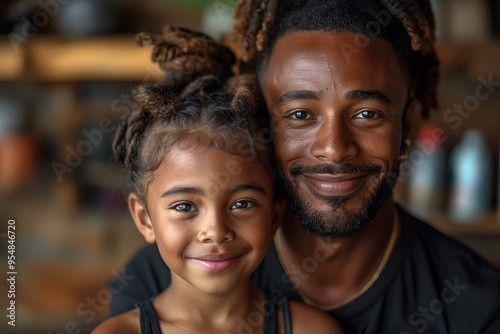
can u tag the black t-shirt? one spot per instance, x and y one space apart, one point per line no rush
431 284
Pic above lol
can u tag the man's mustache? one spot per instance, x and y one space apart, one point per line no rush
335 169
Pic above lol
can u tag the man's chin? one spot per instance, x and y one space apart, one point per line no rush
338 217
344 224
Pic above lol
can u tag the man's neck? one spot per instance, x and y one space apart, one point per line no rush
329 272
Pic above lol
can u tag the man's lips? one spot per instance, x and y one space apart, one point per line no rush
334 185
216 262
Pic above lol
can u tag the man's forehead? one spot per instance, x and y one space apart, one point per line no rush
303 57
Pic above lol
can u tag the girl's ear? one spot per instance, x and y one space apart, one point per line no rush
278 211
141 218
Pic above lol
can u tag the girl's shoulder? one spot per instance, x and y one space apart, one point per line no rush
307 319
126 323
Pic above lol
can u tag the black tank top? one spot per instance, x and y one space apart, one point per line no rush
150 324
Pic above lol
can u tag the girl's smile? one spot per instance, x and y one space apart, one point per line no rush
216 263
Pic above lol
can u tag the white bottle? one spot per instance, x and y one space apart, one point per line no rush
469 20
471 165
427 159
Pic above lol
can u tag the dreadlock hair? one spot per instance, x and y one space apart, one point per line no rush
198 102
409 27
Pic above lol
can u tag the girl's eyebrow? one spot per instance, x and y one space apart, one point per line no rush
243 187
181 190
193 190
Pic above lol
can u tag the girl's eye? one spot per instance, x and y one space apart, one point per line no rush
368 114
300 114
242 205
184 207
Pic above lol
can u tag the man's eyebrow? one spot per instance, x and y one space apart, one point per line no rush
298 95
181 190
368 94
253 187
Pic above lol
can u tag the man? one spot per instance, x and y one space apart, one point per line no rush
340 80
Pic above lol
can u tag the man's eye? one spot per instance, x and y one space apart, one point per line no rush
242 205
300 114
184 207
368 114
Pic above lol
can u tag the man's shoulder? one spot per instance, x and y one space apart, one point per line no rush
146 257
445 269
433 281
144 276
430 244
269 270
149 264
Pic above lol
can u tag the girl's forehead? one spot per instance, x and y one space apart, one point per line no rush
208 158
209 170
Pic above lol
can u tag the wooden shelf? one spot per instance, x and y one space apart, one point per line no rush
489 225
479 58
54 59
11 60
116 57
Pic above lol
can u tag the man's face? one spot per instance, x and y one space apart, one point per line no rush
337 113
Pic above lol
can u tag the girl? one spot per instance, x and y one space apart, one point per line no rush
203 177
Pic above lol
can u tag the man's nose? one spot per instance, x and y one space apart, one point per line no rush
334 140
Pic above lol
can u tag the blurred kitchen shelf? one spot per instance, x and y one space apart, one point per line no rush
479 58
117 57
54 59
488 226
11 61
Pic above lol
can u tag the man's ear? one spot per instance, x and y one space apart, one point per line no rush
141 218
278 212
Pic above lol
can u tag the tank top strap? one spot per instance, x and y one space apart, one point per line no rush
150 325
287 319
270 319
148 318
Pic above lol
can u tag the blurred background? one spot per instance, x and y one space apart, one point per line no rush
66 69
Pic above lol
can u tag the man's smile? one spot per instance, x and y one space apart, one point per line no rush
329 185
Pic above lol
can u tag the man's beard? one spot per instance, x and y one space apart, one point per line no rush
338 222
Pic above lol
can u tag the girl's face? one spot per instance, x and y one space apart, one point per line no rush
212 216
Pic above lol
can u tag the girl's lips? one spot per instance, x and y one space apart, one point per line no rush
333 186
216 263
